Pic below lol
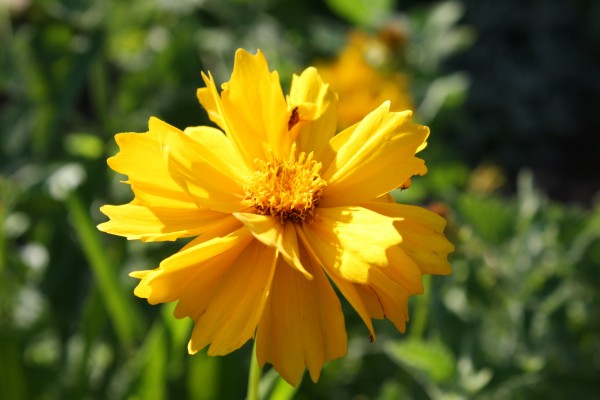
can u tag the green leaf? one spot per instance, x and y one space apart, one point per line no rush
13 382
431 357
392 390
280 389
204 376
368 13
121 309
84 145
178 329
492 218
153 383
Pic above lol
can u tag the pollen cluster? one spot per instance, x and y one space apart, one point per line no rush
289 189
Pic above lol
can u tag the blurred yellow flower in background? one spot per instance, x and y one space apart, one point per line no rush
486 178
279 207
362 77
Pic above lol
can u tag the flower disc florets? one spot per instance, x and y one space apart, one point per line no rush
289 189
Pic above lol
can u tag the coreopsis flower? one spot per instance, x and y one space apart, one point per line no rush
362 78
280 207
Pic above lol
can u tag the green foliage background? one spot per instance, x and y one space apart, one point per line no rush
517 319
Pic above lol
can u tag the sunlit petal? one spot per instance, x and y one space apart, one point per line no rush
211 101
141 159
255 108
135 221
422 232
220 186
163 283
316 108
377 158
338 238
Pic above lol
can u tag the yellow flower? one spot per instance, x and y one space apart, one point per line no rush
279 208
359 77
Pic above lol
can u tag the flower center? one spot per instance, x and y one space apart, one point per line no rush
288 189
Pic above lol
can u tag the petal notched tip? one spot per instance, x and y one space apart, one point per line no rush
140 274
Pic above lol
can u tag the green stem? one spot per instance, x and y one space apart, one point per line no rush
253 376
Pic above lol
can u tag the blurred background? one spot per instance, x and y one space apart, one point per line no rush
510 89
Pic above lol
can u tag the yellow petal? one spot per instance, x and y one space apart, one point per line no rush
392 297
210 100
377 158
201 249
271 232
151 224
347 288
141 159
202 278
403 270
327 155
370 300
218 149
166 282
422 234
317 111
255 109
385 295
351 240
207 167
302 324
367 306
229 318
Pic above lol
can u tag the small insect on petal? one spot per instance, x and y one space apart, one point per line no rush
294 118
